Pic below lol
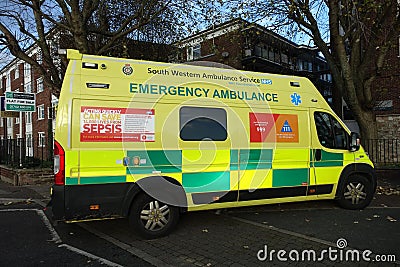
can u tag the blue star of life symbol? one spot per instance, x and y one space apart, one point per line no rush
296 99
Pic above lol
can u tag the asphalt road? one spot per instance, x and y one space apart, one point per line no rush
234 236
28 240
231 237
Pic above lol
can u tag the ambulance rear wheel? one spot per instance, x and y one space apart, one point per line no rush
356 192
152 218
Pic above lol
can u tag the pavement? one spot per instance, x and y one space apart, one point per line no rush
28 238
10 194
234 237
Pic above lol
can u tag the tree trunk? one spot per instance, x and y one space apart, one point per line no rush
367 123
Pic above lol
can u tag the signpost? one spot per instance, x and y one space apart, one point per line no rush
12 105
16 101
3 112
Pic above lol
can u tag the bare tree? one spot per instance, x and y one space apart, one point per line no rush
93 26
353 36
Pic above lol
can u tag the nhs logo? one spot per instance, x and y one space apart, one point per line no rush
266 81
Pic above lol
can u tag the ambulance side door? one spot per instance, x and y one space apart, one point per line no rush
329 153
205 145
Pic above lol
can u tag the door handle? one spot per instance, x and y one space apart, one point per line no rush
318 154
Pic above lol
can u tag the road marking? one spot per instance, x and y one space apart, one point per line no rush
131 249
56 238
377 207
283 231
90 255
273 228
14 210
233 211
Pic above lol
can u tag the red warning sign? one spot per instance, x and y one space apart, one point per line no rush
104 124
260 126
267 127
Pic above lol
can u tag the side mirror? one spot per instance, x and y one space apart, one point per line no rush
354 144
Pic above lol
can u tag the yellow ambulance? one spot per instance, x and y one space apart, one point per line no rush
147 141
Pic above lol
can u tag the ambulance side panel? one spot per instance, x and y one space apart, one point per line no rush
128 127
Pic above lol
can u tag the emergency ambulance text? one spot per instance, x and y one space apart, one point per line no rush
159 89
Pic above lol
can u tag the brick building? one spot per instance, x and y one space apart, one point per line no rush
246 46
387 94
34 128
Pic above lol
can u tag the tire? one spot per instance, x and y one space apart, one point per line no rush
152 218
356 193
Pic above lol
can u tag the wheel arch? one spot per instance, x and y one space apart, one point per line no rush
357 168
163 188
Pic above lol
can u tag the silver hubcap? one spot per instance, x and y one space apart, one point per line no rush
355 193
154 216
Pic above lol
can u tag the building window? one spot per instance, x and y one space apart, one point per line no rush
19 137
271 54
9 122
39 56
28 140
39 85
264 51
202 124
8 81
384 105
16 75
28 117
304 65
27 70
194 52
40 112
329 77
257 51
28 88
42 139
51 113
277 56
285 58
326 77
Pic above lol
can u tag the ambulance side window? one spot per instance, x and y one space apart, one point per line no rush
330 133
202 124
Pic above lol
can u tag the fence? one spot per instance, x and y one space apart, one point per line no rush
28 153
383 152
25 153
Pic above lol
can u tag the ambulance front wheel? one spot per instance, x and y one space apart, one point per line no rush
356 192
152 218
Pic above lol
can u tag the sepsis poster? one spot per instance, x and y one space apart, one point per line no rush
100 124
267 127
